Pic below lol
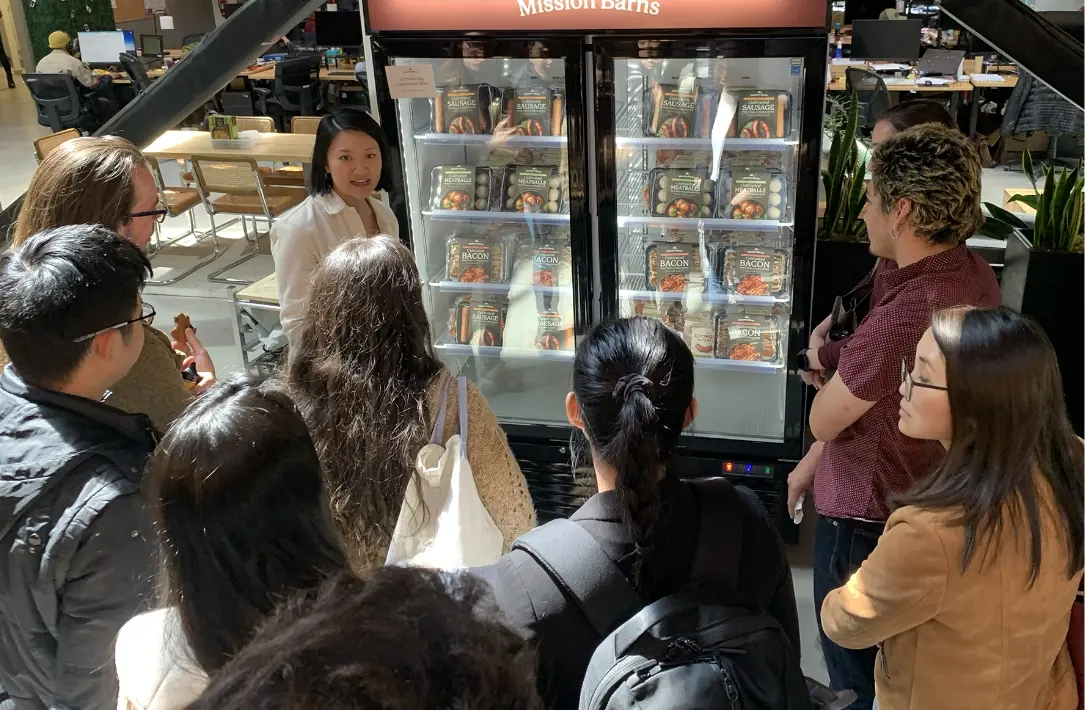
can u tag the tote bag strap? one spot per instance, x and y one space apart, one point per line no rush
462 401
439 424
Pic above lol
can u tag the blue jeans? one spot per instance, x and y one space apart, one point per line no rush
840 546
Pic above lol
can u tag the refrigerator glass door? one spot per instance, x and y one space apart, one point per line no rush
487 179
706 158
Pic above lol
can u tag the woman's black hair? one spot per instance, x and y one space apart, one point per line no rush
348 119
399 638
1014 458
236 489
633 382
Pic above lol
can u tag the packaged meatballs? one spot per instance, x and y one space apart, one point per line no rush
673 111
669 267
680 193
754 271
761 114
463 109
749 337
554 333
480 323
475 260
534 111
461 187
532 189
755 195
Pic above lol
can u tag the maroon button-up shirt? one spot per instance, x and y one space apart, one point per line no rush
871 460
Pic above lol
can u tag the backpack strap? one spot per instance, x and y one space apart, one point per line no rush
578 565
719 535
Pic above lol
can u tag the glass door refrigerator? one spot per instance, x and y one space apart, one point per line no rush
562 163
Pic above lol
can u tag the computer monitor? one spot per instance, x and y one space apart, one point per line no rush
129 41
101 47
338 29
151 45
887 40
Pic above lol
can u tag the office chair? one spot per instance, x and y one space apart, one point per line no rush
178 201
872 94
1033 106
296 92
237 103
192 40
61 102
136 72
45 145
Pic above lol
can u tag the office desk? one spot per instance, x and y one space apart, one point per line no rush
256 314
268 74
1009 81
121 79
267 147
956 87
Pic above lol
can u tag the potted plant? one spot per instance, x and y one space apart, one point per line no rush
1043 275
842 257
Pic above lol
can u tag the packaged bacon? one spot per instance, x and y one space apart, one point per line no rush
746 336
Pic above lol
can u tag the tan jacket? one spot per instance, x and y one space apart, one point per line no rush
982 639
153 386
60 62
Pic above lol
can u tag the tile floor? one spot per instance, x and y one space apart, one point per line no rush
209 306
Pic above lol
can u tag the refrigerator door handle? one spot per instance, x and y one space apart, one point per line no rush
593 186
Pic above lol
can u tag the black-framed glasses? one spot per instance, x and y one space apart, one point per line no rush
909 383
147 315
159 214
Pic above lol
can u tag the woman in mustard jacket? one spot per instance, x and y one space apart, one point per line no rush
969 590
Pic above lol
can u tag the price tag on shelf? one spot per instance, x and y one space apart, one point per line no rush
411 81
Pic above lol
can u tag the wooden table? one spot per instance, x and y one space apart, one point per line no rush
841 84
269 147
256 313
1008 82
264 292
268 74
122 79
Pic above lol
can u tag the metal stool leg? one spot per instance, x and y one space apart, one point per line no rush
254 241
198 265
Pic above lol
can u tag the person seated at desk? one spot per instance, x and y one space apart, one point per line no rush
60 61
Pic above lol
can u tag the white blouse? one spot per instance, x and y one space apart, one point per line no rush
155 668
306 235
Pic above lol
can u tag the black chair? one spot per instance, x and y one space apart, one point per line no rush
62 103
192 39
296 92
136 72
872 94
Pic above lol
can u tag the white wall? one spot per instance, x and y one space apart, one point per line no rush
1041 5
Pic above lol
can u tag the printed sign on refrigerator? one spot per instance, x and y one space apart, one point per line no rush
411 81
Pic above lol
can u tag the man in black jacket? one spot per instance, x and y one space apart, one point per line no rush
76 546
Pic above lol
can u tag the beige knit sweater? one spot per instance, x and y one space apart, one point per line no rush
501 485
153 386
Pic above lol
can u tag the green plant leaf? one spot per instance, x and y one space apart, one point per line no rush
994 229
1061 206
857 195
1005 216
1026 165
1030 200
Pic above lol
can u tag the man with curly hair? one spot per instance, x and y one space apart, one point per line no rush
924 202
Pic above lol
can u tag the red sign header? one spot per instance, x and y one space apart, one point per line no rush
593 15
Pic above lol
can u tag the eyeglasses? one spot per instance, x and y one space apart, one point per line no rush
147 316
909 383
159 214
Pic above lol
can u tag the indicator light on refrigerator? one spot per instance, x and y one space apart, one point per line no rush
728 466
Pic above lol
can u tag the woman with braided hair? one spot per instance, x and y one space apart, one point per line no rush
632 397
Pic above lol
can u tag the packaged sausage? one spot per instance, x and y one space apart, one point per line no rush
754 271
530 111
480 323
744 336
680 193
700 334
530 188
475 260
668 266
554 333
673 111
462 109
756 195
761 114
461 187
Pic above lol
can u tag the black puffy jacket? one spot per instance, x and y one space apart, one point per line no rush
76 543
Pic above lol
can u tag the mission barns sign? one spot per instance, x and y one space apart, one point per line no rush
593 15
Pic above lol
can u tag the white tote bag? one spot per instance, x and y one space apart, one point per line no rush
458 532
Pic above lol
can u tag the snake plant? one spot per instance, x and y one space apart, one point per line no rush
844 178
1059 205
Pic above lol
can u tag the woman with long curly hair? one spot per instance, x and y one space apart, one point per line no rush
366 376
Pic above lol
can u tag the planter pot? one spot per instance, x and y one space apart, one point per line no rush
1047 286
838 267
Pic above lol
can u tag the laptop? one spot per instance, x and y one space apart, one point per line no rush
940 62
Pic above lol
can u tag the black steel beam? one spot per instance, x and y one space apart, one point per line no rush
1028 39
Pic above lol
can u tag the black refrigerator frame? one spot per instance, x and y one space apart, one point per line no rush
543 450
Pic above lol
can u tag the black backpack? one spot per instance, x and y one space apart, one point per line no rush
704 647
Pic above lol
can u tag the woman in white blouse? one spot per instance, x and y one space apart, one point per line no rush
350 163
